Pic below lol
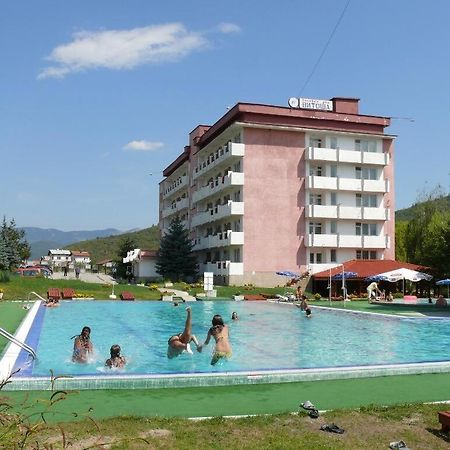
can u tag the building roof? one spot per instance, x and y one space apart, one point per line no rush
368 267
59 252
104 261
82 254
148 254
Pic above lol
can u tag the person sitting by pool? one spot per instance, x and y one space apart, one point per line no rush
116 360
234 316
82 346
390 297
305 307
179 343
219 331
372 291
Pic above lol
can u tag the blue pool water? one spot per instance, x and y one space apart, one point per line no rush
267 336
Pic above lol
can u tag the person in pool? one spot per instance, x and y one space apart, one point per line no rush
219 331
179 343
234 315
82 346
305 307
116 360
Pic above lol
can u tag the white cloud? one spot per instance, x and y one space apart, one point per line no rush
143 146
228 28
123 49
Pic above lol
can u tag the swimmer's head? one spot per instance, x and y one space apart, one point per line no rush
234 315
115 351
86 331
217 320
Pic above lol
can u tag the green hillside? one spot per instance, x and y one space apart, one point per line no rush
107 247
407 214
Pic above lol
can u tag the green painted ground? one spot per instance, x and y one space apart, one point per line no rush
237 400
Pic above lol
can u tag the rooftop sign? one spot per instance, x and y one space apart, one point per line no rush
310 103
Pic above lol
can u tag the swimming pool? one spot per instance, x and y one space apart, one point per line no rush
268 338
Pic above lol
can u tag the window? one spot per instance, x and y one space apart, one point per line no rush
369 200
237 196
315 199
333 142
333 171
315 258
315 228
365 145
366 254
315 171
365 229
333 198
315 142
333 255
366 173
333 227
237 255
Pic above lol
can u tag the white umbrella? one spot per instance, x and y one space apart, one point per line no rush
404 274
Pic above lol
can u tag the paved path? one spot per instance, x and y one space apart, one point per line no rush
184 295
88 277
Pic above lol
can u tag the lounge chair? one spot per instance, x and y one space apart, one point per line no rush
254 297
53 294
68 293
127 296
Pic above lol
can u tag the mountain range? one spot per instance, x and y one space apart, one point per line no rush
43 239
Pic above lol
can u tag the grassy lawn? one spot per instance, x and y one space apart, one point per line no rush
370 427
18 288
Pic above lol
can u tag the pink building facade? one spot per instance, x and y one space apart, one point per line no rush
271 188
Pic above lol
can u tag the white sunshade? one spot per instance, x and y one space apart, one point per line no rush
405 274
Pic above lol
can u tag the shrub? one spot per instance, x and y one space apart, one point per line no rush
5 276
398 295
317 296
153 287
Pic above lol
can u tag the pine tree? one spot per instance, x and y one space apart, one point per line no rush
14 246
175 260
125 246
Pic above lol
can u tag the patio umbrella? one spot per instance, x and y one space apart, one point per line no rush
375 278
445 282
404 274
342 276
287 273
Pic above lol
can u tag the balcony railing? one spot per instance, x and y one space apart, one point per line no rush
218 212
219 185
346 156
223 239
175 208
224 268
346 184
175 186
223 154
346 212
347 241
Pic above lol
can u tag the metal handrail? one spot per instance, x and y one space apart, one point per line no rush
37 295
21 344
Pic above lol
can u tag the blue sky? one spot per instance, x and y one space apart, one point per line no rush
96 95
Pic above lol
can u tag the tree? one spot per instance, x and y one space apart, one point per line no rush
400 238
175 259
14 249
126 245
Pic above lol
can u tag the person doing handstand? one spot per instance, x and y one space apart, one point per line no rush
179 343
219 331
116 360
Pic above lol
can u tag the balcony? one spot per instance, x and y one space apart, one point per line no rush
346 212
346 184
223 239
224 154
175 186
347 241
346 156
218 212
175 208
218 185
223 268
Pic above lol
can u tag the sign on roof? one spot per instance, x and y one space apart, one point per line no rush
310 103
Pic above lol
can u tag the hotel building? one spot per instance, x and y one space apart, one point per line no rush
270 188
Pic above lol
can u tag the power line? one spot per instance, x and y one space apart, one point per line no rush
325 48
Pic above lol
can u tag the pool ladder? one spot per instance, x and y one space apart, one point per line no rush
21 344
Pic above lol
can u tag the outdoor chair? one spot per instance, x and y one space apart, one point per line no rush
68 293
53 294
127 296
